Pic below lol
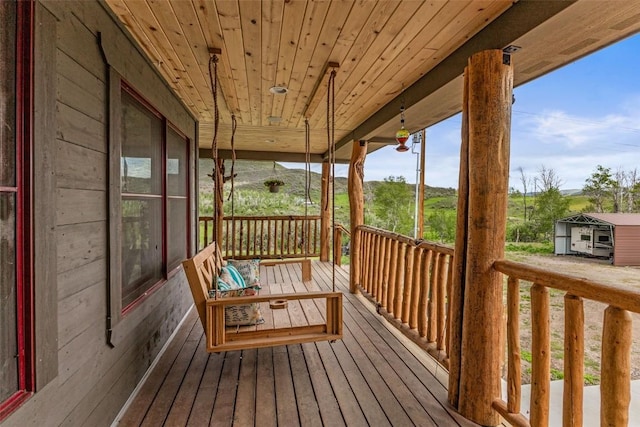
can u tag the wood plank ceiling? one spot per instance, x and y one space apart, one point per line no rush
389 53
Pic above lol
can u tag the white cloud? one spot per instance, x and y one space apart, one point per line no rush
559 127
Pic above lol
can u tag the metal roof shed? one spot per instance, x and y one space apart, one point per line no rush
600 234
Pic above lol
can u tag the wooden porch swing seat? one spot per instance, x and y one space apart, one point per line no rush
202 271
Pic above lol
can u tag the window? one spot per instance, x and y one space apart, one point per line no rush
177 200
154 197
16 377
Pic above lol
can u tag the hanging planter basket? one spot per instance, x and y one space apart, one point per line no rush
273 185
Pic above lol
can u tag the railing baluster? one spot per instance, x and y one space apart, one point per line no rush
375 267
379 271
441 302
408 282
573 361
337 246
423 320
400 279
449 305
615 376
386 266
540 350
367 261
513 344
393 283
432 332
416 285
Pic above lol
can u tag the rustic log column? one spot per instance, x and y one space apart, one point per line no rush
325 211
356 211
218 201
489 86
459 258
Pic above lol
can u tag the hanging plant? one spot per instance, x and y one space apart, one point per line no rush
274 184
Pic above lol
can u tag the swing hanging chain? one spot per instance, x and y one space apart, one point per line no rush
234 126
307 184
331 135
216 174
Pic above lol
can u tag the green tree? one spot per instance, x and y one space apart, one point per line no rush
599 187
551 205
393 205
442 226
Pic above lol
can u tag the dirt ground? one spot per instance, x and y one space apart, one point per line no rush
594 269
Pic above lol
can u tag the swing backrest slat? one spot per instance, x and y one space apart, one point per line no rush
202 271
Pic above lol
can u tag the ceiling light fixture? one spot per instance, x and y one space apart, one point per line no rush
278 90
274 119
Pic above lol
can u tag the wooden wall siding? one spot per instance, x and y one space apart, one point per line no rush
91 380
44 199
626 245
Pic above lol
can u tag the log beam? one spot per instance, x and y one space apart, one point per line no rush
356 211
489 85
325 211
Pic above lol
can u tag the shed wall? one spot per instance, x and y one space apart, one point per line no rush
92 380
626 245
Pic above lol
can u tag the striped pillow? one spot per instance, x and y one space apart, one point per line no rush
249 269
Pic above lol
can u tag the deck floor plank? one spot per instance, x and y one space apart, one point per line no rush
286 409
181 407
246 396
370 377
265 389
146 396
325 396
166 396
308 409
224 406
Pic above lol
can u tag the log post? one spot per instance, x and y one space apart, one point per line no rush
325 212
356 211
489 86
460 256
615 385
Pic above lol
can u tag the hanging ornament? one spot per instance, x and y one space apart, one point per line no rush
402 135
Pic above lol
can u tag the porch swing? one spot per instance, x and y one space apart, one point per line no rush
217 307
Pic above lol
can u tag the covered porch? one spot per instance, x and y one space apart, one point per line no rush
373 376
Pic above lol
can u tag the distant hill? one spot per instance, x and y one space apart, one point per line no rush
252 174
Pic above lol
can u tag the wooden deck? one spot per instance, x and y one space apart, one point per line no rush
371 377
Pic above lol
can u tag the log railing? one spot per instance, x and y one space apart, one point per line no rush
615 370
409 281
265 237
338 231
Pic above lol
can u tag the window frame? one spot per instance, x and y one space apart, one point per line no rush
24 72
118 312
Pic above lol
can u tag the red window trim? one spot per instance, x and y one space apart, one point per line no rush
167 274
24 221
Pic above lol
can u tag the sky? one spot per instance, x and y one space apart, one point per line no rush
571 120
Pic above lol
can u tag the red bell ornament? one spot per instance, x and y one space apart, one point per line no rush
402 135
